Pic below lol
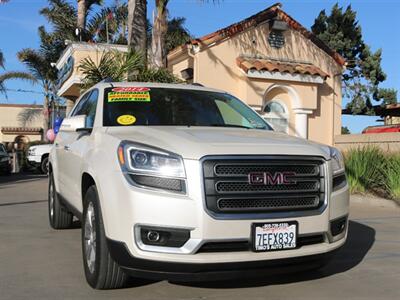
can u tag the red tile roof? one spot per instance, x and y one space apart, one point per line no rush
247 64
21 130
271 12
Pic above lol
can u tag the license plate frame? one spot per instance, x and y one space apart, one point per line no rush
253 239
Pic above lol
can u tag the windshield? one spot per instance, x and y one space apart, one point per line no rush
131 106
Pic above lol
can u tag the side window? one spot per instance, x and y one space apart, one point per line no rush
91 105
87 106
76 111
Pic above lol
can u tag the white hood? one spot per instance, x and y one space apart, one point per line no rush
196 142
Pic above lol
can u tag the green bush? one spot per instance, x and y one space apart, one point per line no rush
364 169
369 169
392 175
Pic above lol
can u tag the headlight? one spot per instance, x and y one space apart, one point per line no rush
337 161
146 160
31 151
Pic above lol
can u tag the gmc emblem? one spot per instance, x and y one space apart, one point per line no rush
266 178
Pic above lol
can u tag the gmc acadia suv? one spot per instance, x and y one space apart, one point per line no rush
186 182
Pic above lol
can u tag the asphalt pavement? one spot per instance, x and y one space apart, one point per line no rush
37 262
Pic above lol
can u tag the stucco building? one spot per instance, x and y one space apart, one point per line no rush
277 66
69 74
13 131
268 60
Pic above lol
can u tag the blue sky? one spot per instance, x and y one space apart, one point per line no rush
19 20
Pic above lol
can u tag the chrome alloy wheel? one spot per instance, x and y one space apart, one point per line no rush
90 238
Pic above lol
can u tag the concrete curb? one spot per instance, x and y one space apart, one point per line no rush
374 201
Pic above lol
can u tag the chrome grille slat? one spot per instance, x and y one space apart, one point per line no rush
272 203
228 190
240 187
237 170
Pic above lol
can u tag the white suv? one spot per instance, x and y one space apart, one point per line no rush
187 182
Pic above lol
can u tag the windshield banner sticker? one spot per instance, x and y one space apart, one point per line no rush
129 94
126 120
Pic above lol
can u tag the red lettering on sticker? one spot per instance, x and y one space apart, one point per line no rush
130 89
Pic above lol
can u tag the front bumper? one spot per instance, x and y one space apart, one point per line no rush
34 160
160 270
125 207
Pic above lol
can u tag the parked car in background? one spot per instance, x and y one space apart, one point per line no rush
38 157
5 161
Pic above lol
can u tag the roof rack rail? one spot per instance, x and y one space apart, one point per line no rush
197 84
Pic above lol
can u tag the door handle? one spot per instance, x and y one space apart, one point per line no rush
66 148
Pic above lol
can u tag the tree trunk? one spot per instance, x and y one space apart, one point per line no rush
45 117
81 20
160 28
137 26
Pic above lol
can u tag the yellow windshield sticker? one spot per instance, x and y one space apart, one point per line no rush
126 120
129 94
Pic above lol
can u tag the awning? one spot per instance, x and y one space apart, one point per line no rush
281 70
21 130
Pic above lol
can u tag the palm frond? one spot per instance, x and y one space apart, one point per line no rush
17 75
28 115
177 34
37 64
1 59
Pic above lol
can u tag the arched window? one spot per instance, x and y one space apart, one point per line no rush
276 114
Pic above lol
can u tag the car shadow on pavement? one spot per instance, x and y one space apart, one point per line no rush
19 178
360 240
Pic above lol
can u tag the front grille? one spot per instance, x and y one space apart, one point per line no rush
238 246
268 203
288 183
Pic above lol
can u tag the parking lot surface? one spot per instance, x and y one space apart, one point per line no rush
37 262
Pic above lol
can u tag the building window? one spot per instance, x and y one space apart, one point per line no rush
276 114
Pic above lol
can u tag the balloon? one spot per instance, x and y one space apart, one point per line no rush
50 135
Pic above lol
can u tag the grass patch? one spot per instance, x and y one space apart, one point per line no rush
369 169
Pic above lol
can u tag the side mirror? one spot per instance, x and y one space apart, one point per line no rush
73 123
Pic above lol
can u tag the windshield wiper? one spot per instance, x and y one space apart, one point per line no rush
230 125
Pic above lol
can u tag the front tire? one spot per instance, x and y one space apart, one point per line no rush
101 271
44 166
59 216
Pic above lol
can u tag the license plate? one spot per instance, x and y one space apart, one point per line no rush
274 236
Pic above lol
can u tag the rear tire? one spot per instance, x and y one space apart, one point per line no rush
59 216
101 271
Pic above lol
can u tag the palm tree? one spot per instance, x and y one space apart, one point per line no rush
117 66
177 34
137 26
39 67
160 27
11 75
84 7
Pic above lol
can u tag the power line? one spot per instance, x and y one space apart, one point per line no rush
24 91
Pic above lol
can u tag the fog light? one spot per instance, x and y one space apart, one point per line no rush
153 236
165 237
338 226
